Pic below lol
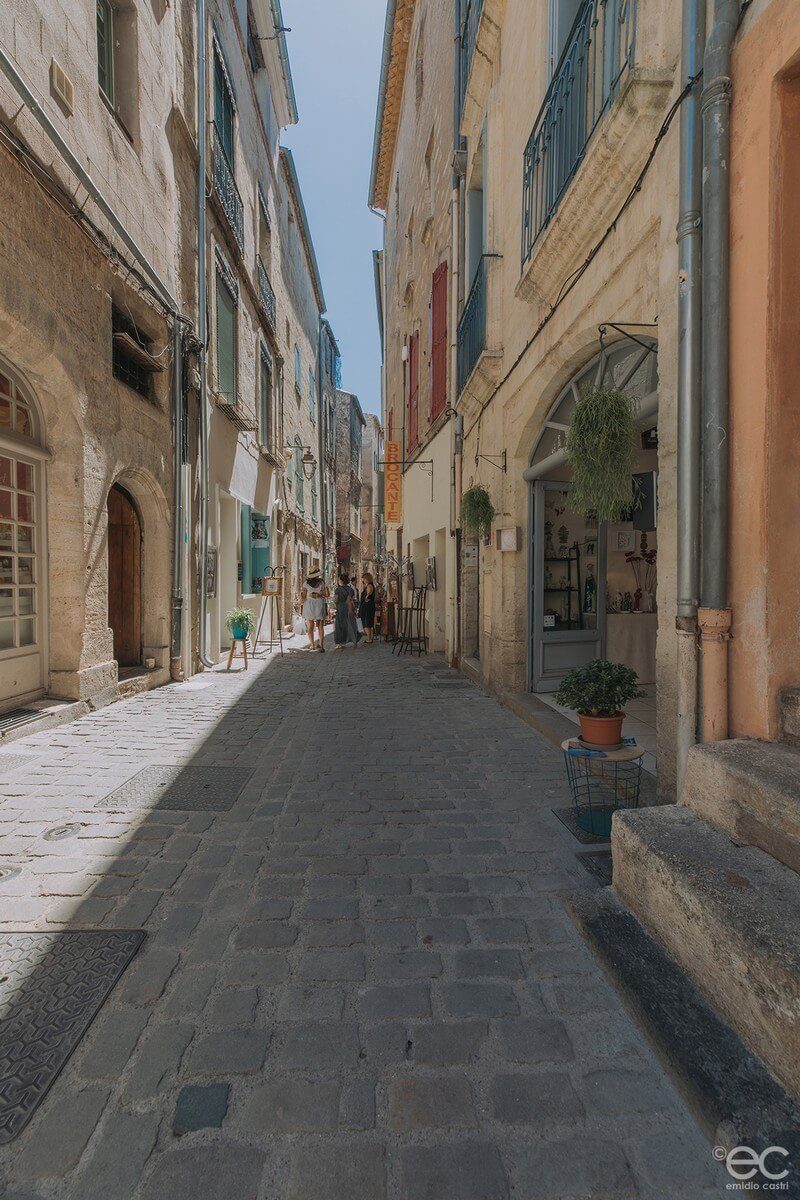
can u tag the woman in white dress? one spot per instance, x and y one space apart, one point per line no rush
314 595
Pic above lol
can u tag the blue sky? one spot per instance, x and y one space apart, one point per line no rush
335 52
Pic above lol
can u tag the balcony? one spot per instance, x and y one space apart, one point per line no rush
588 144
227 192
471 337
266 296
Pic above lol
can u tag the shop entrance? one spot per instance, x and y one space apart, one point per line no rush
124 577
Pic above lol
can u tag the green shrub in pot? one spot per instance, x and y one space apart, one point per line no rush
598 692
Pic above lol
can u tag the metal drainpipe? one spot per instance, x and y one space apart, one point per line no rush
202 328
175 665
455 271
323 506
714 615
690 241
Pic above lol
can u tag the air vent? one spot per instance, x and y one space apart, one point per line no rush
61 87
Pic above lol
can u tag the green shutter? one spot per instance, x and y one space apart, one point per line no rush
226 341
247 550
312 396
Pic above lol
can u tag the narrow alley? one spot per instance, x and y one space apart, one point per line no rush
358 979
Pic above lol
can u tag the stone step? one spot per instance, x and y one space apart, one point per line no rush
729 917
732 1096
751 790
790 715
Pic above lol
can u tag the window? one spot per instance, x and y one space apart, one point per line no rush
226 340
105 49
18 532
355 439
562 18
265 395
297 371
312 395
314 496
224 108
298 475
131 355
255 535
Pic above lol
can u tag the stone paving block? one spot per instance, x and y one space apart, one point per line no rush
501 929
409 964
462 906
188 992
455 1171
217 1171
267 970
309 1001
281 886
614 1090
481 1000
269 908
345 865
502 964
332 965
113 1043
317 1046
391 933
445 883
547 1098
197 885
233 1006
228 1052
55 1143
388 908
442 1045
539 1039
285 1104
384 1001
125 1143
357 1105
675 1164
333 933
162 875
331 908
157 1060
200 1107
332 887
580 1165
337 1172
178 923
398 866
385 885
385 1043
419 1102
266 935
443 930
145 982
137 910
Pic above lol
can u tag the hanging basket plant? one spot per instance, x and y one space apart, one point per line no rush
477 510
599 449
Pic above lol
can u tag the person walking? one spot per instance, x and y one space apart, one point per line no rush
345 632
314 594
366 608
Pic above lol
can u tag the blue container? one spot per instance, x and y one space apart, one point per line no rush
239 633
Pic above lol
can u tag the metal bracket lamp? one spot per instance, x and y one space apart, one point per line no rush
309 461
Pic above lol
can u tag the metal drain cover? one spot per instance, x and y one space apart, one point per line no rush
51 987
59 832
184 789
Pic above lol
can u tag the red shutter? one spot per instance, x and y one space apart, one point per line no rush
439 341
413 391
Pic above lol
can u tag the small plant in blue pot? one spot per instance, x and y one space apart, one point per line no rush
240 623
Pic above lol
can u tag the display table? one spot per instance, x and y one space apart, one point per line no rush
631 639
601 782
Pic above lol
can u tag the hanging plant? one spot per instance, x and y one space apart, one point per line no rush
477 510
599 449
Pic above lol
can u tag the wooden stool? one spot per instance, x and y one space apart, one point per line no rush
233 651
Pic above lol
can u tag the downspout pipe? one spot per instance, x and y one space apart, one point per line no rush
690 312
178 501
323 496
455 271
202 332
714 616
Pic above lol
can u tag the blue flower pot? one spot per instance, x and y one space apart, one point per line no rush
239 632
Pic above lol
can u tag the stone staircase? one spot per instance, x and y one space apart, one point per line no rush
714 881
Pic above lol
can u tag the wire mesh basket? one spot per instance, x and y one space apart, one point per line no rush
602 783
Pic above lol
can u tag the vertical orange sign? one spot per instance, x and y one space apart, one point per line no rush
394 484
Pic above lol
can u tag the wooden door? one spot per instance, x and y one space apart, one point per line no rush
124 578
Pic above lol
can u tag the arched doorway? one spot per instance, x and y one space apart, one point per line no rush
124 577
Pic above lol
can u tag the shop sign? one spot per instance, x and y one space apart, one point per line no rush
394 483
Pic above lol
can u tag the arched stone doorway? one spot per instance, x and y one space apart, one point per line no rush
124 577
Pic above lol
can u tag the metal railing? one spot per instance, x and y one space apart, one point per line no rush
266 295
598 52
469 36
471 334
227 191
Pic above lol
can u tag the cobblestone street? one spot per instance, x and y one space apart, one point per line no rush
358 980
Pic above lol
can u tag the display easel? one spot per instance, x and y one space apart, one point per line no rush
270 588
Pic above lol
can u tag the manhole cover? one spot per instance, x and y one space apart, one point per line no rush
59 832
51 987
597 863
209 789
8 873
569 817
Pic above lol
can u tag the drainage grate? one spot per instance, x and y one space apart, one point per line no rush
52 985
569 817
17 716
597 863
183 789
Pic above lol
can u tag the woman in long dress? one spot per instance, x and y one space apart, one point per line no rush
314 594
366 609
345 631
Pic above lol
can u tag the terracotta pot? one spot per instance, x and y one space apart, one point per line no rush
602 731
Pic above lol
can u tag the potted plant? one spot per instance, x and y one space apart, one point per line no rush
477 510
240 623
598 692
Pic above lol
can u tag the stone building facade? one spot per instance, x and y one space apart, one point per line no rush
411 173
329 380
349 433
371 508
86 343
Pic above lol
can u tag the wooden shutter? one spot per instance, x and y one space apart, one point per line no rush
439 341
413 391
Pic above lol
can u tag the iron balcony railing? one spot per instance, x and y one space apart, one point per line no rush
266 295
598 52
471 336
469 35
227 191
